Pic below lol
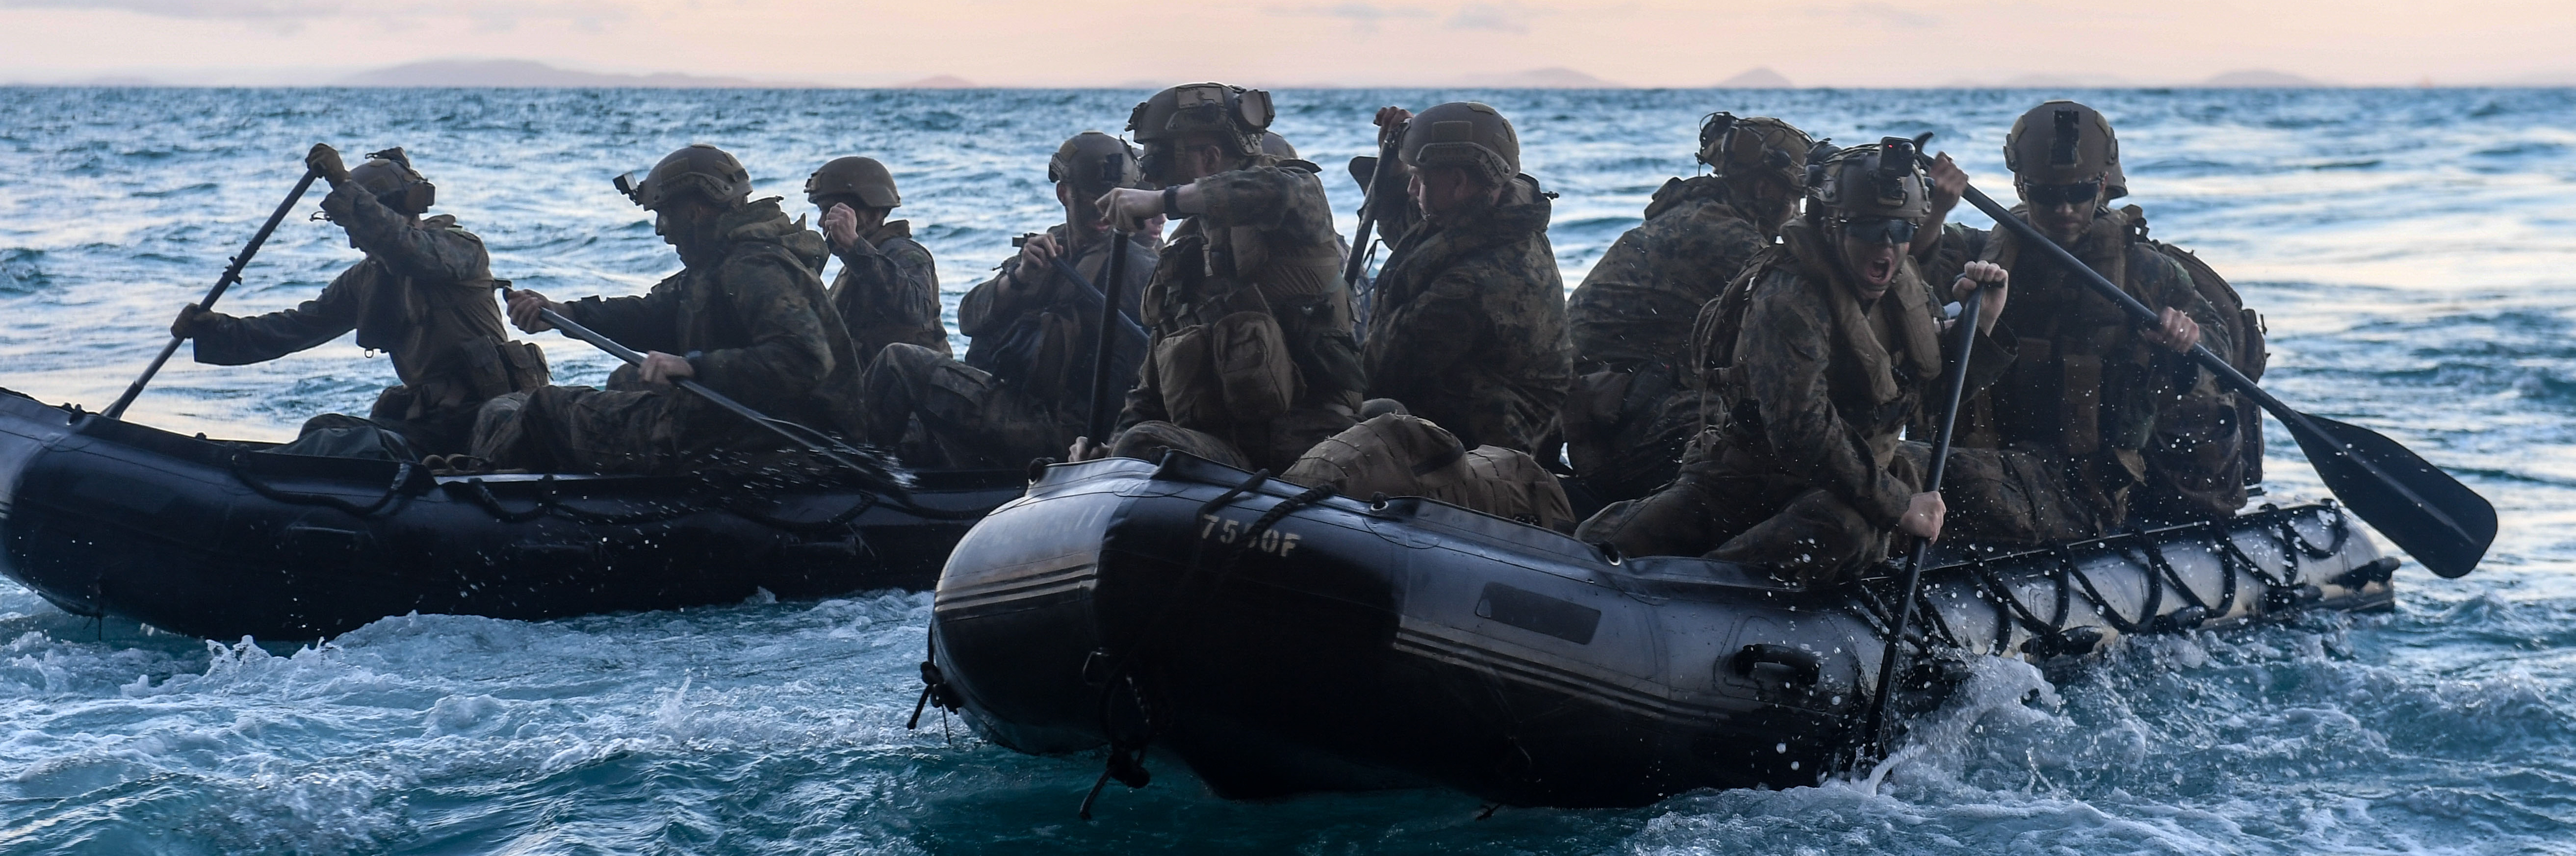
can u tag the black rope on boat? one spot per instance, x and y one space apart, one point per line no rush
2157 564
1127 753
2228 548
402 476
2147 611
2226 569
2004 599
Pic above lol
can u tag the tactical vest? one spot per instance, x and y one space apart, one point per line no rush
1875 389
1246 330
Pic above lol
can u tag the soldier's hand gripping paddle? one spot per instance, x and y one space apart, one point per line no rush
232 274
2429 514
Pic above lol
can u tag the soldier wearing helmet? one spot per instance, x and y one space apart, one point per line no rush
1252 359
1632 408
2091 396
1819 356
745 316
423 295
1023 390
1467 321
888 288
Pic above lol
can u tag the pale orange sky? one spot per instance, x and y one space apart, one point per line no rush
1290 42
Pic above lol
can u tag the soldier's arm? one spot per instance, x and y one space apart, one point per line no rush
225 340
1957 246
646 322
916 285
1145 398
1431 332
1271 199
1784 354
428 253
790 352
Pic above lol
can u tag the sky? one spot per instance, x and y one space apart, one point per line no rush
1305 42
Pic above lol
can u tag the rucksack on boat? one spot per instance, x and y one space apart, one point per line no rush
2250 355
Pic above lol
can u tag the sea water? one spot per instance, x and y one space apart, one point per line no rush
2411 251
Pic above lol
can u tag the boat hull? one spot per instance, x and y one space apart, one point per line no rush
1278 642
211 539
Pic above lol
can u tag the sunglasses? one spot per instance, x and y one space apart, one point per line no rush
2053 195
1881 230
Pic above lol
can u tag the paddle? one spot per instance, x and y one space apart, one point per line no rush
232 274
1358 262
1967 333
814 441
1113 281
2429 514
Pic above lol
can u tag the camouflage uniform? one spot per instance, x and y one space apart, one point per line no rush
1805 473
1633 408
423 296
1022 391
1262 262
1469 327
2084 399
888 292
755 326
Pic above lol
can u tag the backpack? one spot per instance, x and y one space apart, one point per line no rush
2250 356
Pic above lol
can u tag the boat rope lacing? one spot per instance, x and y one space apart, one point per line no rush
1132 729
2067 579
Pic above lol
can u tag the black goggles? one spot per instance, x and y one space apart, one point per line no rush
1881 230
2053 195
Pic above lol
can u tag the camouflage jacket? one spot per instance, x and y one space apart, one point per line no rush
1039 336
888 292
755 324
1636 305
1470 328
2087 380
1265 245
423 296
1820 386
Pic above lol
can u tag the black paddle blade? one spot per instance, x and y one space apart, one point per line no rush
2429 514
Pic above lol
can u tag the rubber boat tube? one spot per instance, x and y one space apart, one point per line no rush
218 540
1278 640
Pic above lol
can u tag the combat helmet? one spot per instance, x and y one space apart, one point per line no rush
1754 145
1235 115
2063 142
388 176
1277 146
1464 134
863 179
698 169
1095 162
1868 183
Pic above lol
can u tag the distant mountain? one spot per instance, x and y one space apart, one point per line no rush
2261 78
1540 78
937 81
1757 77
520 72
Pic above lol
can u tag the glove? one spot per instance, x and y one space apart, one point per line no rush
190 317
324 161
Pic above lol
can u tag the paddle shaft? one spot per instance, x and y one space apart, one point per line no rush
812 440
1958 388
2228 376
232 274
1358 261
1103 413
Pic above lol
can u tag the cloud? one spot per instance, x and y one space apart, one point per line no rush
1508 16
1364 17
487 15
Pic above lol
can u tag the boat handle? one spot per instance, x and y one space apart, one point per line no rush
1801 665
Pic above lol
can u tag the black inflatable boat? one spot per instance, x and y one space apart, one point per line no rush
1279 640
221 540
